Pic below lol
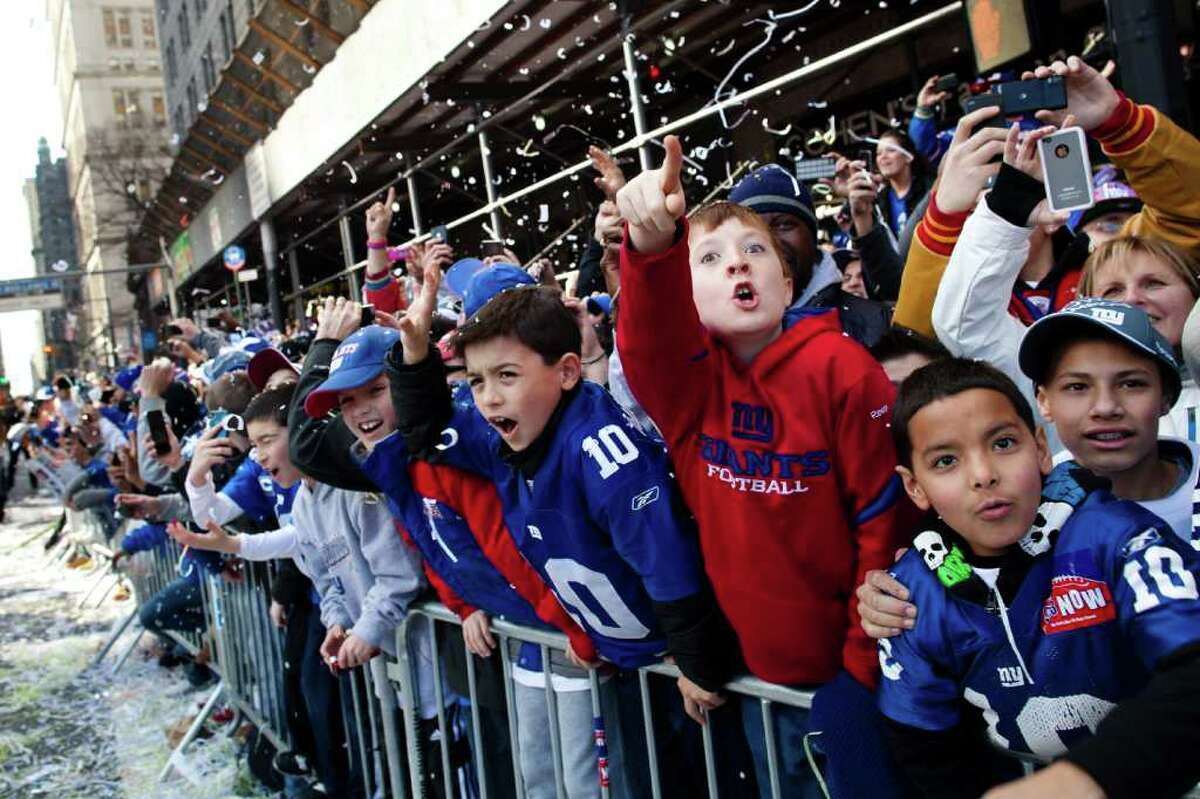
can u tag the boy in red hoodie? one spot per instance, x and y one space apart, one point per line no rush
778 430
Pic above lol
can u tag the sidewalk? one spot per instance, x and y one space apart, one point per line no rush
69 733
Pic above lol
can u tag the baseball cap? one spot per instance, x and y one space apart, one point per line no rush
459 275
772 189
229 361
358 360
265 363
127 378
489 282
844 258
1110 198
599 303
1119 321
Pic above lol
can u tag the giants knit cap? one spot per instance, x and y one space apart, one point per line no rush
772 189
357 360
489 282
1120 322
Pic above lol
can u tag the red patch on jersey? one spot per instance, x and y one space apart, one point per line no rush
1076 602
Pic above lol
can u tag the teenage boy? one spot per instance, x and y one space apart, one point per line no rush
778 432
587 496
470 559
1103 376
1069 619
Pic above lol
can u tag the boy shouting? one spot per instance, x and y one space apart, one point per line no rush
778 430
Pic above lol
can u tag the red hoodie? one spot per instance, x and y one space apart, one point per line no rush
787 463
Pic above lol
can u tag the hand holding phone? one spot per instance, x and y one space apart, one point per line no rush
156 420
1066 170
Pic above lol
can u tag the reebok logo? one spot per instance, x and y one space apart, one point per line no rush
645 498
534 532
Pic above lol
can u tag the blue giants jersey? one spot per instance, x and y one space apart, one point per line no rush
444 538
260 497
1100 606
597 521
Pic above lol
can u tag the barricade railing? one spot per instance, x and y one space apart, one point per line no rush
389 743
404 674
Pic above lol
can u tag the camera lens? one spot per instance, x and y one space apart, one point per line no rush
1062 151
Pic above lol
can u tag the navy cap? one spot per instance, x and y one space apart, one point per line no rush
489 282
459 275
599 303
844 258
1119 321
772 189
358 360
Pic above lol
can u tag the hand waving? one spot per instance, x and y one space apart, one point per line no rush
379 217
416 323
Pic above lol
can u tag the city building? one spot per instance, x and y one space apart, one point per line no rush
109 80
54 252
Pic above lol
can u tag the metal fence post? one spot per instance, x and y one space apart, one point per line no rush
414 205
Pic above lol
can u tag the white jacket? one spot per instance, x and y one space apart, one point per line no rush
971 318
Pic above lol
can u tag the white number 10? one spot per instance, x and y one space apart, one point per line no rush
617 450
1170 577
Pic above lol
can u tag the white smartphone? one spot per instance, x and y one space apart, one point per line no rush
1066 170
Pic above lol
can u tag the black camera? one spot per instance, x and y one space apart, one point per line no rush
368 316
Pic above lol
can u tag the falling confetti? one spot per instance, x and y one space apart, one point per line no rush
300 23
350 169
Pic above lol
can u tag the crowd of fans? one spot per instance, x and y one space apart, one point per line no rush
710 447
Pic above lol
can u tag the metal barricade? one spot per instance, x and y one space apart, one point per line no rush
404 674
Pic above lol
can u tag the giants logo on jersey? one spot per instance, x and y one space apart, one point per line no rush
753 422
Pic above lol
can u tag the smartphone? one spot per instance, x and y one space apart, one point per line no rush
978 101
1066 170
1027 96
810 169
368 316
946 83
158 431
867 156
439 233
492 247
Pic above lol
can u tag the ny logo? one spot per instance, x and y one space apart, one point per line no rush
1010 676
753 422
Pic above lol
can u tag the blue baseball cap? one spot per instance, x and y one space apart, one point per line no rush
127 378
459 275
489 282
1121 322
229 361
599 303
358 360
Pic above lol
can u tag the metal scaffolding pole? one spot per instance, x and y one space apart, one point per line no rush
485 155
270 252
414 205
297 294
635 93
348 253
